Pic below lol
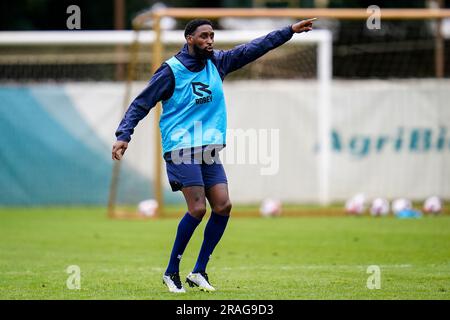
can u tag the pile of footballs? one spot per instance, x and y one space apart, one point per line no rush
401 207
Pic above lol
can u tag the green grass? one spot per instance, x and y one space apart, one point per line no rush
280 258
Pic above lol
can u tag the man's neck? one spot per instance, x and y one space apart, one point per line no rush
191 52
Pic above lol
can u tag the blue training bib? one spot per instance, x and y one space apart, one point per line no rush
195 115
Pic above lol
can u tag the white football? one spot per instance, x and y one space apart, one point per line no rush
148 207
270 207
356 205
380 207
433 205
401 204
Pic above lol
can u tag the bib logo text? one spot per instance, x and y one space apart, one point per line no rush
199 89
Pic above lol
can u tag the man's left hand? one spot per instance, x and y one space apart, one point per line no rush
303 26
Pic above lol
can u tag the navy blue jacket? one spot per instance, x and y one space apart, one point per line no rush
162 83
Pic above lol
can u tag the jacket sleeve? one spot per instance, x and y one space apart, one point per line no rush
160 87
231 60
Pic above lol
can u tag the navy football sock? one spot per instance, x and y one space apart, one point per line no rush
213 232
185 230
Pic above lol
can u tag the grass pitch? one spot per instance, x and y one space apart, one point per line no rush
275 258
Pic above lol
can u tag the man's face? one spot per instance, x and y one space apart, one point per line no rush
202 41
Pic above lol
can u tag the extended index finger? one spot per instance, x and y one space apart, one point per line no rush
307 22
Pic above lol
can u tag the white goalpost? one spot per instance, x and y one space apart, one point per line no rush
321 39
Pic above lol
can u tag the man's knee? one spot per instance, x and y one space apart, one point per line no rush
198 211
223 209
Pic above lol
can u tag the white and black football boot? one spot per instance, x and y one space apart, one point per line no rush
173 282
200 280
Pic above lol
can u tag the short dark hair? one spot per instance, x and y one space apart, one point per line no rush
192 25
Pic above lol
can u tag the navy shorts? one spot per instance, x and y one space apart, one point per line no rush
195 173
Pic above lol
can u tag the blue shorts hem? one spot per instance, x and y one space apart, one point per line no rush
177 186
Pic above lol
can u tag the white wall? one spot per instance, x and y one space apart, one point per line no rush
369 152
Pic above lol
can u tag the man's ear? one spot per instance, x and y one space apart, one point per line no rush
189 39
